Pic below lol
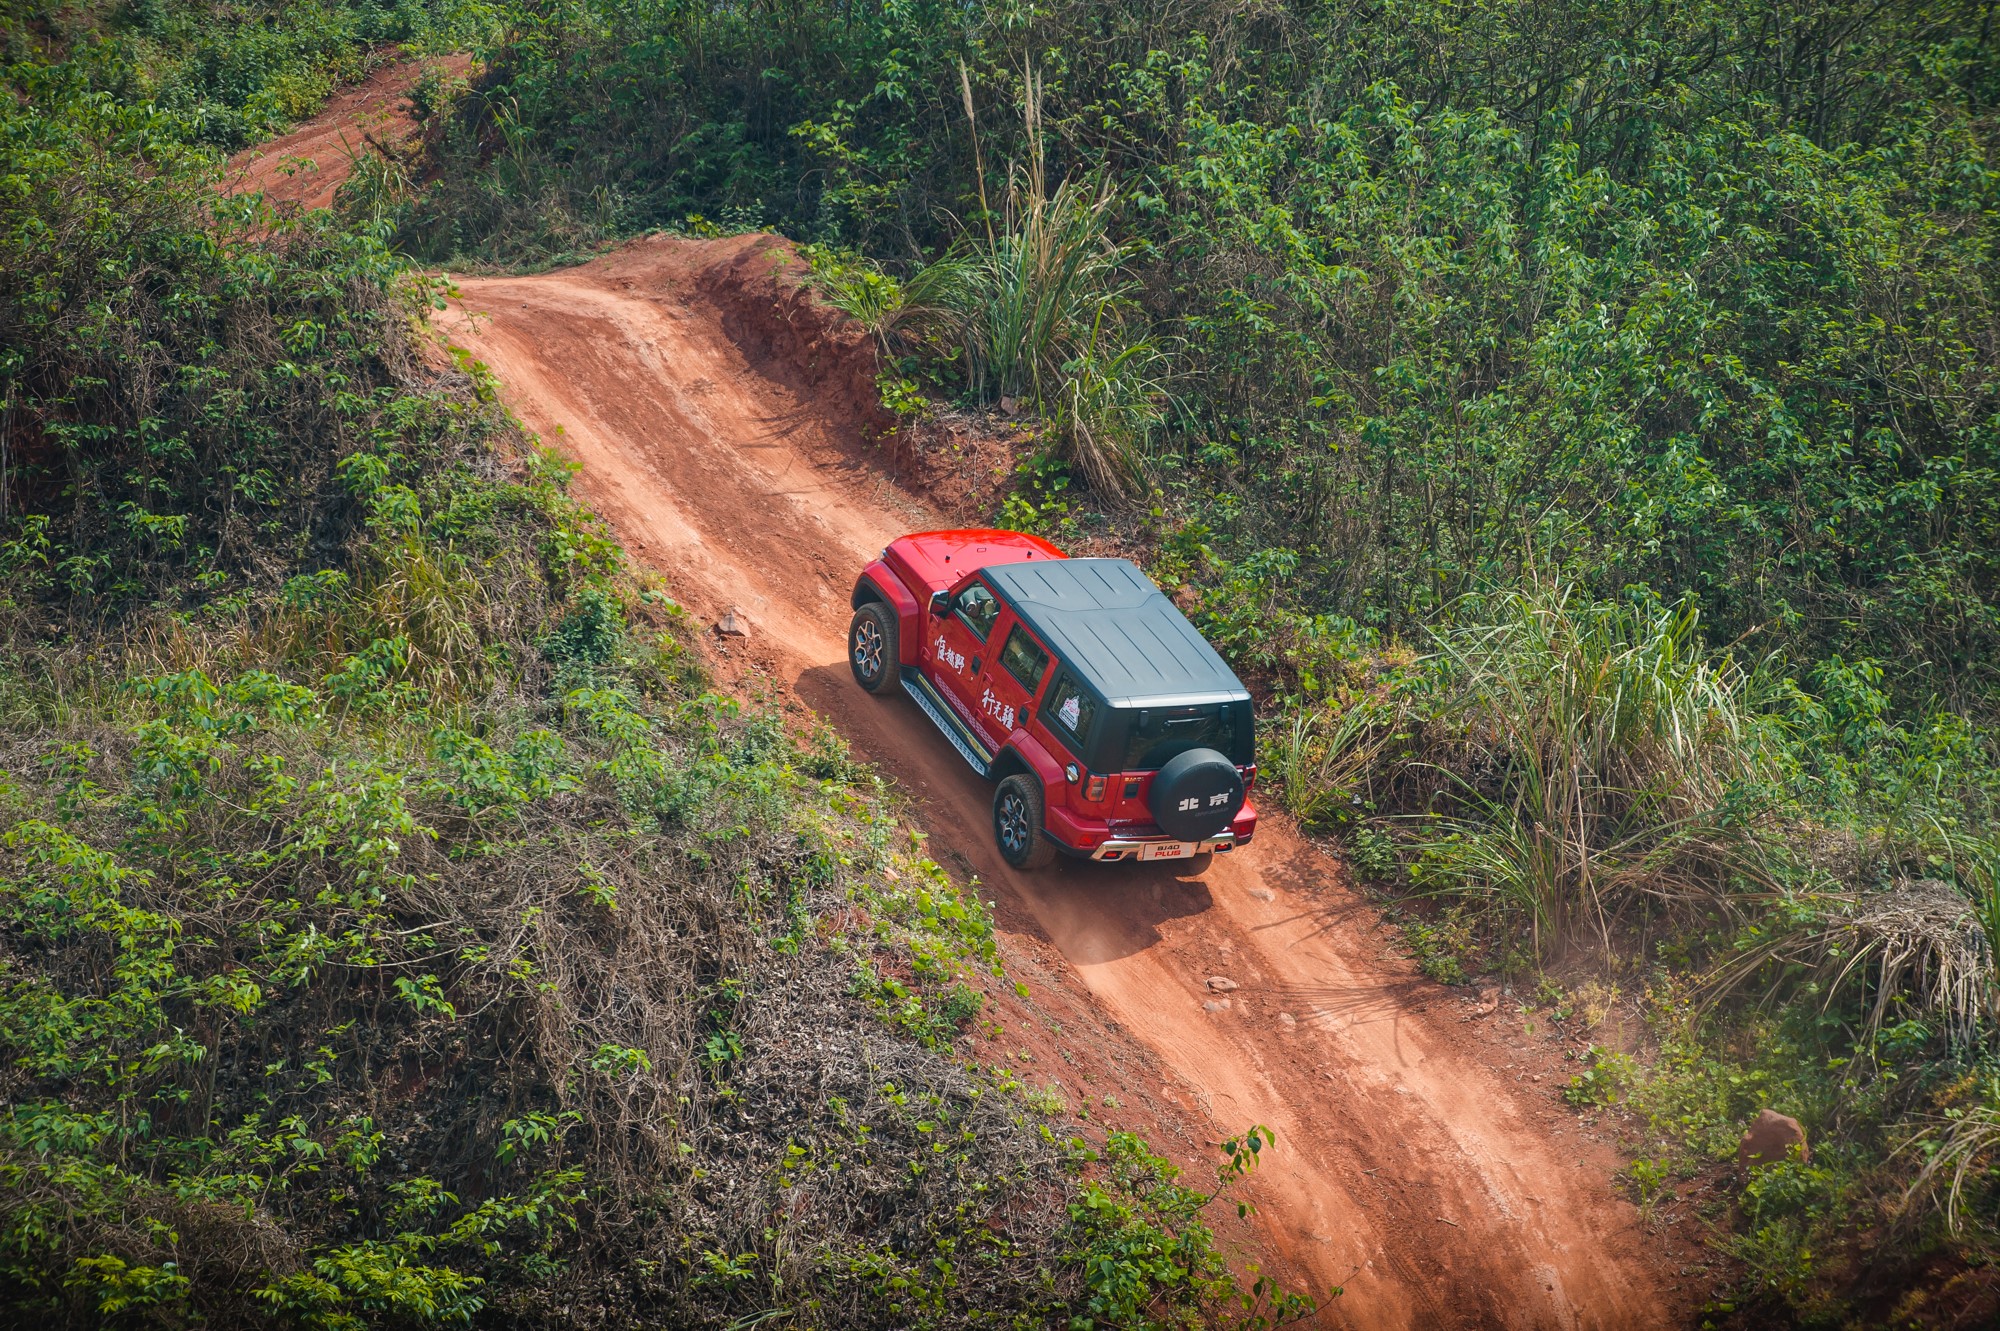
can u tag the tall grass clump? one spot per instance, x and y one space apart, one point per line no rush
1036 307
1036 315
1577 764
1036 294
1584 756
1041 312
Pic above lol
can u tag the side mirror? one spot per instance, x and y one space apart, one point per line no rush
940 603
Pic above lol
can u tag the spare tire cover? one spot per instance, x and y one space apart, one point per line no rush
1196 795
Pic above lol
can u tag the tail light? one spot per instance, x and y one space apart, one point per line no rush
1095 790
1249 779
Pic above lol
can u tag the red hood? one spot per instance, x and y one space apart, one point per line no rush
935 560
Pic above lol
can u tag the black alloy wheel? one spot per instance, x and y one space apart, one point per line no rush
1017 823
871 649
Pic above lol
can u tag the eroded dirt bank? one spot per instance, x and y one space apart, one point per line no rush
721 431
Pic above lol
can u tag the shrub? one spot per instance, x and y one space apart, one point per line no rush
1039 310
1606 1076
178 391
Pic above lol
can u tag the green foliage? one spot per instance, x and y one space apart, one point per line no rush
1606 1076
1324 757
588 634
872 298
227 74
1697 302
1441 945
157 450
1038 309
363 1282
1139 1232
1649 1180
393 929
1373 852
1782 1203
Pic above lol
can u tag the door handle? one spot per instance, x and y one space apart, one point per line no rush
975 665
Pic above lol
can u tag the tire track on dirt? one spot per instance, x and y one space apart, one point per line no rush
1407 1169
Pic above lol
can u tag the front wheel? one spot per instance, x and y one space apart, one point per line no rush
871 648
1017 823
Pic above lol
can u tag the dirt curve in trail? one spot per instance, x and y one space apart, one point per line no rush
1409 1169
303 169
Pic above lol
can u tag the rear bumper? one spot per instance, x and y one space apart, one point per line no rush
1091 839
1128 848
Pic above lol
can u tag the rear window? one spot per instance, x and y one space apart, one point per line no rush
1155 735
1071 712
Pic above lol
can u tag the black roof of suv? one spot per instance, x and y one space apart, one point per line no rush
1107 621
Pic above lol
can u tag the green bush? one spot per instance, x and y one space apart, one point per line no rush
178 393
1606 1076
1140 1231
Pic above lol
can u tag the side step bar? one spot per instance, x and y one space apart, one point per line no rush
939 711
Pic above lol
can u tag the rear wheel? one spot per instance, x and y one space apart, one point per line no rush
872 650
1017 823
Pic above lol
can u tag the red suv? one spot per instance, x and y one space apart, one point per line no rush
1112 728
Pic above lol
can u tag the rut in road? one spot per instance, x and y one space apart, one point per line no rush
1430 1186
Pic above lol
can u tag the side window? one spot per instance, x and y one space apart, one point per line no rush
977 609
1024 659
1071 711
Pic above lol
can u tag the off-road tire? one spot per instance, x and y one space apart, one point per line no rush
872 649
1017 823
1206 779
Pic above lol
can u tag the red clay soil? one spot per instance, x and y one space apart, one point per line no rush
301 170
727 428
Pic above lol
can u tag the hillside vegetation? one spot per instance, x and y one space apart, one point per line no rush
1579 419
1694 297
394 929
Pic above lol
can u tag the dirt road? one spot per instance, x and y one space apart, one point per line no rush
303 169
1412 1168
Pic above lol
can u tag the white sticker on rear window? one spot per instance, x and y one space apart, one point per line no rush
1070 710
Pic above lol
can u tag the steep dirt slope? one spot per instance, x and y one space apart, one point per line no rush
718 426
302 169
